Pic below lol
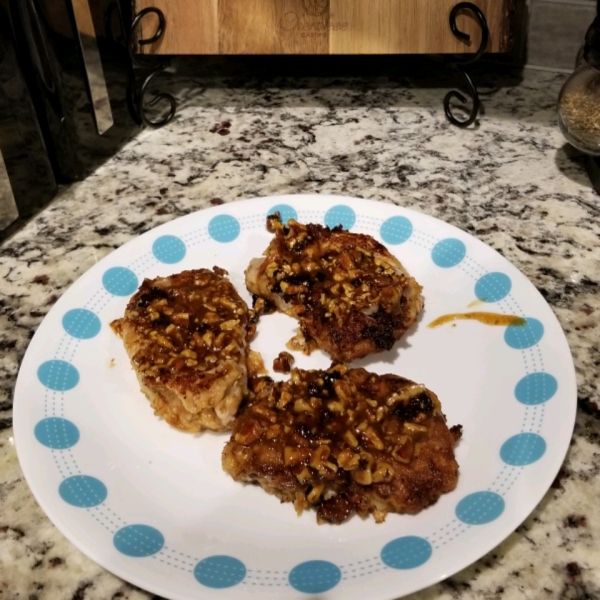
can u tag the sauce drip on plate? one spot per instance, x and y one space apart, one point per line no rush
487 318
475 303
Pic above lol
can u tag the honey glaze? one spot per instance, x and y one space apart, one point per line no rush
487 318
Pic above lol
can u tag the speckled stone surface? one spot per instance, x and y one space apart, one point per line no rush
510 181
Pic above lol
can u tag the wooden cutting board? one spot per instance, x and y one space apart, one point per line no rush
321 26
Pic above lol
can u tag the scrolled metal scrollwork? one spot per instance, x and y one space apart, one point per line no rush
136 96
459 66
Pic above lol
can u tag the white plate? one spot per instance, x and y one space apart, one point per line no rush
152 504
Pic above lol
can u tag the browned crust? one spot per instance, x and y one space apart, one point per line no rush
344 441
350 295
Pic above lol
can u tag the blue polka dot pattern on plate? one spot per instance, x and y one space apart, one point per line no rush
480 508
396 230
448 253
524 336
224 228
81 323
286 212
56 433
138 540
220 571
58 375
406 552
493 287
536 388
82 491
120 281
314 576
169 249
340 215
523 449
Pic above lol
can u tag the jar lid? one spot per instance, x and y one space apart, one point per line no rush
591 49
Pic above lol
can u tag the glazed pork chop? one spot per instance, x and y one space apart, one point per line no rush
345 441
350 295
187 338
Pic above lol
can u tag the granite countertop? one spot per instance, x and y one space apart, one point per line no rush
510 181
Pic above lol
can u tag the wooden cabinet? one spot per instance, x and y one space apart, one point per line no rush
321 26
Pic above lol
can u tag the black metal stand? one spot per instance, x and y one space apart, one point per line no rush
136 100
459 66
136 94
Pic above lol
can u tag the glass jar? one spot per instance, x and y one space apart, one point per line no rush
579 109
580 58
